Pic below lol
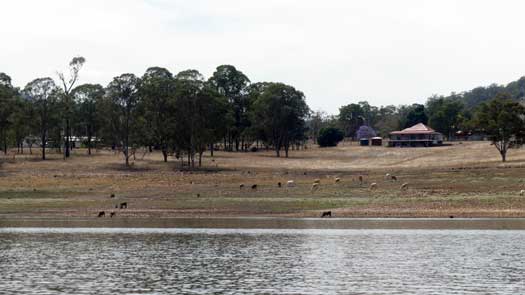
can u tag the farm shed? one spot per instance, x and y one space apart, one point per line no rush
377 141
417 135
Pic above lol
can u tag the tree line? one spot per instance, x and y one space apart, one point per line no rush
182 114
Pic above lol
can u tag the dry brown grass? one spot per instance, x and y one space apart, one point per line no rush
462 180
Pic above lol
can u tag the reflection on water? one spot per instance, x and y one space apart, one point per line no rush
248 261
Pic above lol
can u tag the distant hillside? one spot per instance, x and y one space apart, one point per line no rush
478 95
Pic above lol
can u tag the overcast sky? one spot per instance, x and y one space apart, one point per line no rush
336 52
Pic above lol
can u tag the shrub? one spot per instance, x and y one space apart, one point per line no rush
329 137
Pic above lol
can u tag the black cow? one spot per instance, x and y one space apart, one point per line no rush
124 205
101 214
326 214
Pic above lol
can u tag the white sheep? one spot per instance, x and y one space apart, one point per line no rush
317 180
337 180
290 183
522 192
373 186
315 186
404 186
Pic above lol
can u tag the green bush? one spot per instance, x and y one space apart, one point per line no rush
329 137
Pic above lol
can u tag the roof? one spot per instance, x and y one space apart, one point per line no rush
419 128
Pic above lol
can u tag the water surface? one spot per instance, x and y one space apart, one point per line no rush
260 261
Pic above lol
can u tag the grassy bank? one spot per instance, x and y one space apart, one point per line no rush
463 180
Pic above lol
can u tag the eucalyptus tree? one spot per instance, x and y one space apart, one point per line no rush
123 97
42 93
88 97
199 113
232 83
280 113
7 103
67 86
503 120
157 89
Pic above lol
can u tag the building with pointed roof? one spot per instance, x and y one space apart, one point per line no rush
417 135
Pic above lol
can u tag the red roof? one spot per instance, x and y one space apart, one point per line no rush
416 129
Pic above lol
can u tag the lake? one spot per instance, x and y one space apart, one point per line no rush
260 261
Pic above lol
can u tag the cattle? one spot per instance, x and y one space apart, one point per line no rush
112 214
254 187
279 184
360 179
101 214
326 214
112 196
124 205
393 178
241 186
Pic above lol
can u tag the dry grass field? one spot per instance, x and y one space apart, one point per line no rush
461 180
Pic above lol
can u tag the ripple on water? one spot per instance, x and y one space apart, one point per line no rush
203 261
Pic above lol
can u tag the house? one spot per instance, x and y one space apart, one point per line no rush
417 135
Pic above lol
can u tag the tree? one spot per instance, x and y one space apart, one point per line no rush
8 96
231 83
280 114
42 93
157 90
329 137
88 97
503 121
122 93
67 86
416 114
444 114
199 113
351 117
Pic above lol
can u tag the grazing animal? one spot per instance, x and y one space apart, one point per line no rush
451 216
387 176
112 214
393 178
522 192
326 214
101 214
373 186
337 180
116 206
198 195
304 173
254 187
241 186
404 186
361 179
124 205
317 180
290 183
315 186
112 196
279 184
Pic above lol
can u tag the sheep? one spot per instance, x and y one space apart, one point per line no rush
112 214
373 186
522 192
337 180
290 183
404 186
317 180
101 214
254 187
124 205
326 214
315 186
387 176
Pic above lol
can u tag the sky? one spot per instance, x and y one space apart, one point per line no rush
336 51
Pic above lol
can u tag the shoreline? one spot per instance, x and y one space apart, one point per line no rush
255 222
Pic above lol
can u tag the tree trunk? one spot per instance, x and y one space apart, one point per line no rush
67 153
43 147
200 159
503 155
165 155
211 149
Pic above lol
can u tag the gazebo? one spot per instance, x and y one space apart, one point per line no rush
417 135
